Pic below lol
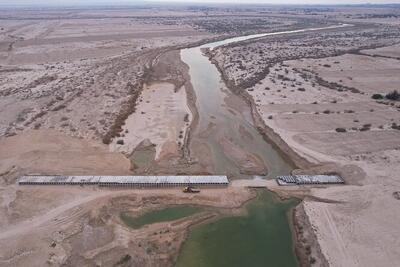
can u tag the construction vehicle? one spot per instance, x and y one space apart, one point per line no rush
189 189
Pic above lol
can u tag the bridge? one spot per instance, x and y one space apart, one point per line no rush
127 181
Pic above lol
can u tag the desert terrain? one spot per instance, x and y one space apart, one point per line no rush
105 91
315 92
86 92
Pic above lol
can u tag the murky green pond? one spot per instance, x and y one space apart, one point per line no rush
163 215
261 238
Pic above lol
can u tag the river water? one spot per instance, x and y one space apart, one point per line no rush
262 237
219 119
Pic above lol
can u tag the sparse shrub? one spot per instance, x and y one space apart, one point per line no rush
301 89
366 127
270 117
120 142
308 249
395 96
124 259
395 126
377 96
326 111
186 118
59 107
341 130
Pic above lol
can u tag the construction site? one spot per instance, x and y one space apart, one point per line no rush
309 179
131 181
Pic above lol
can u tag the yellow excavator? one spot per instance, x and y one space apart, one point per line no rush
189 189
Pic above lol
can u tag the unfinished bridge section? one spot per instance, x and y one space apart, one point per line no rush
128 181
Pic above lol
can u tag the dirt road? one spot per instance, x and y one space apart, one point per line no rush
39 221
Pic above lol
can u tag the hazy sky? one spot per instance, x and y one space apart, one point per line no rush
74 2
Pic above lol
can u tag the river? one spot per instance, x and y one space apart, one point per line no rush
263 236
222 123
219 121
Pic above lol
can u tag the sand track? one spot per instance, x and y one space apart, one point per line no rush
47 219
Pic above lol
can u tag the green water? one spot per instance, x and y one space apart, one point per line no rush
261 238
163 215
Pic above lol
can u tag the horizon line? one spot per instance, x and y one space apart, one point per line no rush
109 3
